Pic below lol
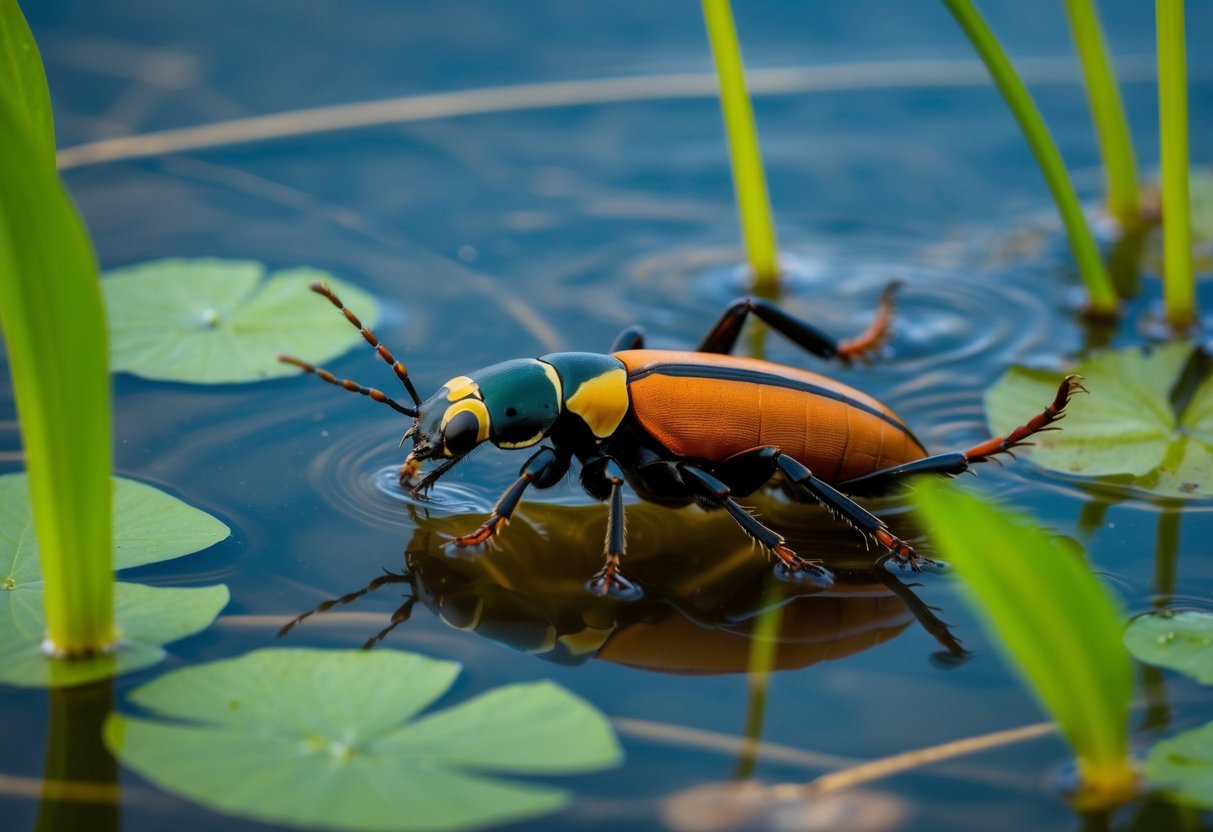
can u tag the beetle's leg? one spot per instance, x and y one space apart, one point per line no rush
631 338
601 477
723 336
791 564
543 469
855 514
957 462
383 352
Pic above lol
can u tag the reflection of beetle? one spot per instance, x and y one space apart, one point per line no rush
681 427
527 594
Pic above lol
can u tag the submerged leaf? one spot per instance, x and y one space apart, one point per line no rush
1054 618
1127 426
1183 766
210 321
322 739
1182 641
149 526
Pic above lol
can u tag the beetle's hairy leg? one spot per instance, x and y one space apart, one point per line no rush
1040 422
608 580
382 351
346 384
792 565
843 506
871 339
541 469
385 578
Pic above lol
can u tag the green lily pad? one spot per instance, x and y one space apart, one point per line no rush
1183 766
1126 427
327 739
1182 641
210 321
149 526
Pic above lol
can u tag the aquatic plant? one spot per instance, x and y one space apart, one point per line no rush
749 180
1107 112
1179 291
1101 294
54 328
1057 623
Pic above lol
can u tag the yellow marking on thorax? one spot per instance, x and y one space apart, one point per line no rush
460 387
554 378
602 401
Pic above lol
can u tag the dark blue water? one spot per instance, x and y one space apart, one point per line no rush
524 232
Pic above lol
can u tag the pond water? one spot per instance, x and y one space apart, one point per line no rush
543 228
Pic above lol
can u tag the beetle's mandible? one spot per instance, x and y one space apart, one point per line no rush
683 427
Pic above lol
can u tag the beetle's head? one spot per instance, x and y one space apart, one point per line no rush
513 404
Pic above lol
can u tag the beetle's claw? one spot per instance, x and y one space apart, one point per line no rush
804 571
613 585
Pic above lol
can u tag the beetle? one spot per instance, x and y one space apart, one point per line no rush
683 427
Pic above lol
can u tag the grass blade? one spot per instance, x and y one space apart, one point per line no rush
1055 620
1108 113
1100 292
1179 291
54 328
749 180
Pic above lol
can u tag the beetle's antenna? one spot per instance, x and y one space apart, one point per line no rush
386 578
352 386
383 352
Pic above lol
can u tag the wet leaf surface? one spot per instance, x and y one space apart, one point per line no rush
1181 641
1127 427
328 739
209 321
1183 766
149 526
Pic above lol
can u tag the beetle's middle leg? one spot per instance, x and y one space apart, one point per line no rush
723 336
717 493
603 479
542 470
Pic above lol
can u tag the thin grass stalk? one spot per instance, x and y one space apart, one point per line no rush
1100 292
1179 293
1108 113
54 328
749 179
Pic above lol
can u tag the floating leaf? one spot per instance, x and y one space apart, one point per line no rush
323 739
149 526
1183 766
1182 641
1057 622
211 321
1127 426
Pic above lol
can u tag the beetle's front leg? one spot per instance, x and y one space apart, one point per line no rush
601 477
543 469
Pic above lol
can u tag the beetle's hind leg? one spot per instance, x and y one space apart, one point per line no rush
791 565
855 514
723 336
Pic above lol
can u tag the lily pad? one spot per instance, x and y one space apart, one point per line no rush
210 321
149 526
1126 427
1183 766
1182 641
328 739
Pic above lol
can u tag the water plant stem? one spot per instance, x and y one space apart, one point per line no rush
1108 112
54 326
749 179
1178 288
1100 292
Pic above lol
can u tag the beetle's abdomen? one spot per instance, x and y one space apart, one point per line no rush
712 406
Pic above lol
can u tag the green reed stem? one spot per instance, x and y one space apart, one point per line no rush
1179 292
749 180
1100 292
1108 112
54 327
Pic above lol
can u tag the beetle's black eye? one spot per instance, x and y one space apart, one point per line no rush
461 433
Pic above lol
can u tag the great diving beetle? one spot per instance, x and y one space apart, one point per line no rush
683 427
